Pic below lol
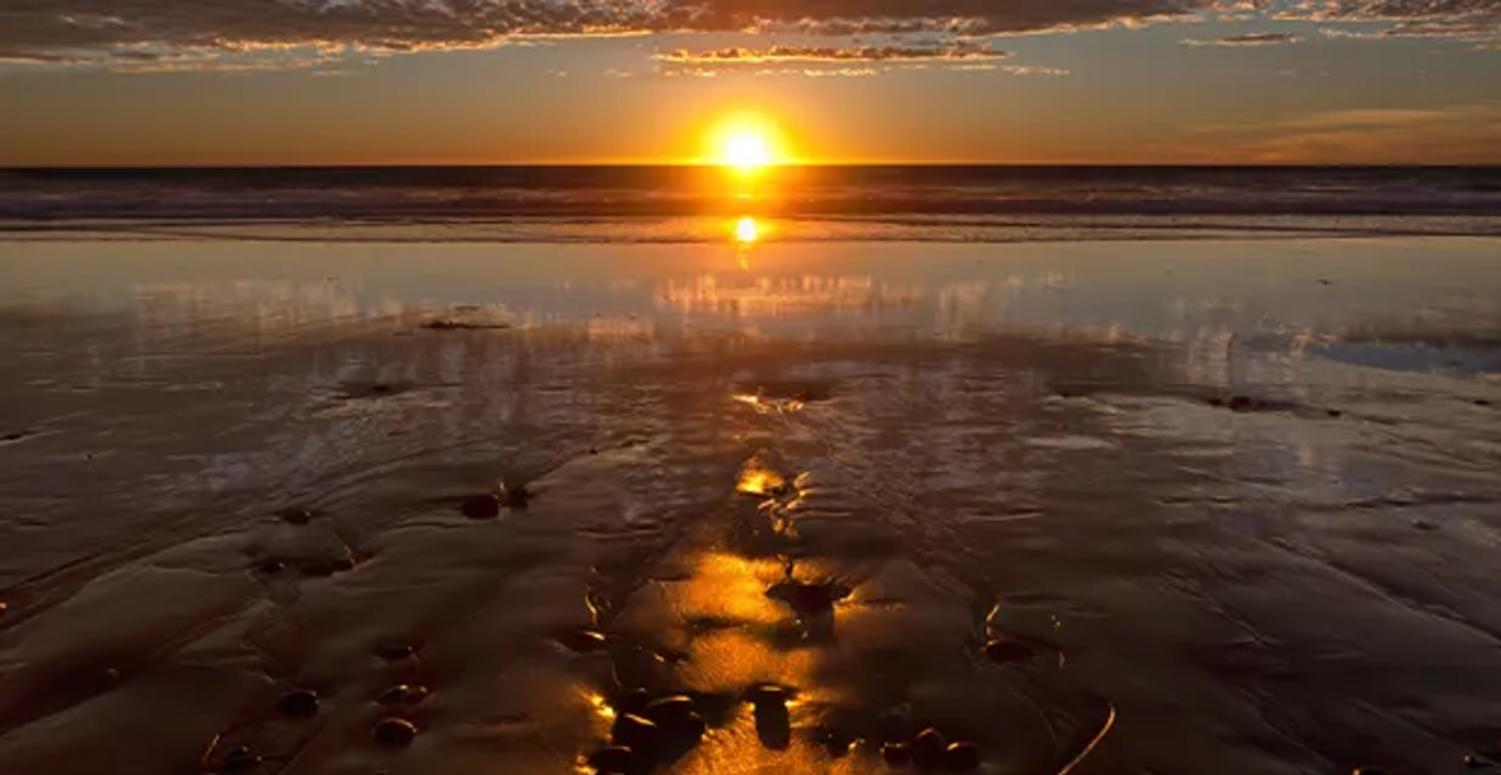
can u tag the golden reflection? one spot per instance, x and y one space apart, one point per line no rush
747 231
756 478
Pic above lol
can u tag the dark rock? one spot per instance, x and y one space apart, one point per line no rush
296 516
1334 413
1482 402
1476 761
1216 401
1005 651
928 748
762 693
897 754
404 694
394 732
298 703
517 497
1326 282
773 723
669 712
241 759
1243 404
635 732
961 757
809 599
613 760
1424 525
582 641
271 567
485 506
395 652
3 607
380 388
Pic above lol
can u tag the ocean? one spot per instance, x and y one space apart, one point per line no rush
686 204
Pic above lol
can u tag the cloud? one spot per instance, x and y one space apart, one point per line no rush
958 51
1249 39
1469 20
1449 134
90 31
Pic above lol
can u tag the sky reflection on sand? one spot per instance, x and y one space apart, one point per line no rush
839 469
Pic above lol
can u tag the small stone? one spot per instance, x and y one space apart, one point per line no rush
1242 403
241 759
395 652
485 506
380 388
634 732
928 748
809 599
1216 401
612 760
404 694
961 757
1424 525
1334 413
897 754
668 712
298 703
1482 402
271 567
296 516
394 732
583 641
1004 651
763 693
517 497
773 724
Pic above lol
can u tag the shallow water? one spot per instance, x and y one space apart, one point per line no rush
1238 500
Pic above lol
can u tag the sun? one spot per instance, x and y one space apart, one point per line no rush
746 144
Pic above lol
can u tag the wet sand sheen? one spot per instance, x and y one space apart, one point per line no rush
1012 509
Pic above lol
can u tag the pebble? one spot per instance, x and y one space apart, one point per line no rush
485 506
634 732
669 712
612 760
296 516
1476 761
3 607
1482 402
404 694
809 599
1005 652
897 754
395 652
517 497
583 641
928 748
298 703
241 759
773 722
961 757
394 732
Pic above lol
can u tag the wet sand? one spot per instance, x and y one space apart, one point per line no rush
1103 507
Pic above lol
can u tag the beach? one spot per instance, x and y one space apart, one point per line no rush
1094 506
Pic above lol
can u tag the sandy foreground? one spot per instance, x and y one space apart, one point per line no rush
1157 507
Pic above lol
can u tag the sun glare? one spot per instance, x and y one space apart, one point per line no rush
746 145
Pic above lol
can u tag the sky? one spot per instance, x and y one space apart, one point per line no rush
285 82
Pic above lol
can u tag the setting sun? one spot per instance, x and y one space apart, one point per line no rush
746 144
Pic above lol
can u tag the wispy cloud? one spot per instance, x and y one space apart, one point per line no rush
1458 134
1247 40
959 51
